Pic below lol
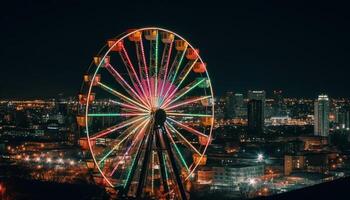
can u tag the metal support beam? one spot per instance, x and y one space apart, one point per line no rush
160 149
145 162
173 165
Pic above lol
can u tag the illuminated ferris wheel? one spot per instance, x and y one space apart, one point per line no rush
149 113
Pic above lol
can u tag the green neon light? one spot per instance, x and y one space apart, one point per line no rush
165 168
156 70
132 165
120 95
129 172
188 71
114 114
117 145
152 172
187 91
187 102
173 78
189 115
177 149
181 157
178 66
182 137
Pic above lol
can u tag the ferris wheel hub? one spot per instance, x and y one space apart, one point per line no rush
159 117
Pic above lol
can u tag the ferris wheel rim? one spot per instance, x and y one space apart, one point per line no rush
123 36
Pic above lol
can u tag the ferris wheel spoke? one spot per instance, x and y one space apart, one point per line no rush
117 127
121 96
173 71
132 169
131 107
152 36
131 71
165 65
124 84
135 140
186 102
143 69
189 129
125 135
176 148
182 92
156 71
187 114
116 114
180 136
184 73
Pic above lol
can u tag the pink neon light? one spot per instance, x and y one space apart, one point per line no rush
127 151
133 71
113 128
114 72
166 70
188 128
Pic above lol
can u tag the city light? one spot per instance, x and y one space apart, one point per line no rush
146 124
60 161
260 157
252 181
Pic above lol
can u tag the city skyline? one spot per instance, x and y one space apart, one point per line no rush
174 100
284 49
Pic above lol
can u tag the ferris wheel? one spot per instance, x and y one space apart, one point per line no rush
149 113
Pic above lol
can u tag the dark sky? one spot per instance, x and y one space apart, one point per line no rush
301 48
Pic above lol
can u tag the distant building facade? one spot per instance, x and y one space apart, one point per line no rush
228 177
255 117
239 108
321 113
258 95
229 105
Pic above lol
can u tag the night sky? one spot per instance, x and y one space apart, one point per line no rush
300 48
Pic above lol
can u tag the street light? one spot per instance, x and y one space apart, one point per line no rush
260 157
60 161
252 181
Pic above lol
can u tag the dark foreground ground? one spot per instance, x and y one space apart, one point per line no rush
335 190
18 189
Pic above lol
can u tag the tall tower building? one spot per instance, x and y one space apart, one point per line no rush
229 106
240 110
278 103
255 117
258 95
321 112
342 117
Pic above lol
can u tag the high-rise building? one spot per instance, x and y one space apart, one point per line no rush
342 117
239 108
229 106
278 108
321 112
258 95
255 117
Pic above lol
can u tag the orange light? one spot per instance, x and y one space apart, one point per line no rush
191 54
97 60
180 45
199 67
118 47
135 37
